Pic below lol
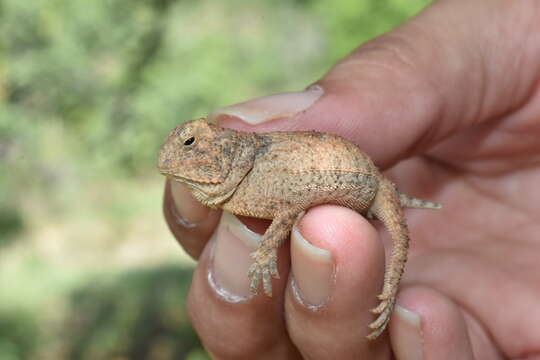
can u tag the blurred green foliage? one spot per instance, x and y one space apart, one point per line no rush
88 90
18 335
147 305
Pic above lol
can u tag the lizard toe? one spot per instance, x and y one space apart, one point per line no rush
378 331
385 309
380 308
267 282
383 318
254 275
254 287
273 269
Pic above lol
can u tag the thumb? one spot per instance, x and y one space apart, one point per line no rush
403 92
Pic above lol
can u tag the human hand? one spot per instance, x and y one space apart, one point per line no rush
449 103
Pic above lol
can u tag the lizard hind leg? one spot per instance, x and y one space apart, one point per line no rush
387 208
264 267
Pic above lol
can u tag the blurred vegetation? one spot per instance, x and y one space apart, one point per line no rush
88 90
149 305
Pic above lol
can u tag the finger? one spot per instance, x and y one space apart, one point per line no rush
190 222
429 325
337 271
420 83
231 323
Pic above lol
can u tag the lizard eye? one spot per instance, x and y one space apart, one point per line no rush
189 141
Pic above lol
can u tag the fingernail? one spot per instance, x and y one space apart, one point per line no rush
187 211
312 270
409 342
271 107
233 244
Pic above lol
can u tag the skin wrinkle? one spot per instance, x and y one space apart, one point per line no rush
496 197
449 171
482 333
531 37
524 128
434 92
486 142
480 255
468 179
401 69
458 109
483 64
436 109
481 84
462 302
441 170
520 59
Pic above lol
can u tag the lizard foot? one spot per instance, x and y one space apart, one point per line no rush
264 268
384 309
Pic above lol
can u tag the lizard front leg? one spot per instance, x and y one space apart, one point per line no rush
265 257
387 208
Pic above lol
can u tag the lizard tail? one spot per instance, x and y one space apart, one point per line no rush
410 202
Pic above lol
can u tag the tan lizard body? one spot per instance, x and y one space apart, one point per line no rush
277 176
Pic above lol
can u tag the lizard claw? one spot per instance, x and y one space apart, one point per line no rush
380 308
255 279
264 268
385 309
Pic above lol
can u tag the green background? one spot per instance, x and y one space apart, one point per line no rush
88 90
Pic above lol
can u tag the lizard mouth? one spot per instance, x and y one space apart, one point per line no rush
179 179
184 181
171 172
167 170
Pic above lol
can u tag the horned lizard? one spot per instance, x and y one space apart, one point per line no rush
277 176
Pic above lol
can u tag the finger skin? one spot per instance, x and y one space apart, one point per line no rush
444 328
426 80
192 238
338 329
248 329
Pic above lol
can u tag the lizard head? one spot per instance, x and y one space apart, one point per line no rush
197 153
